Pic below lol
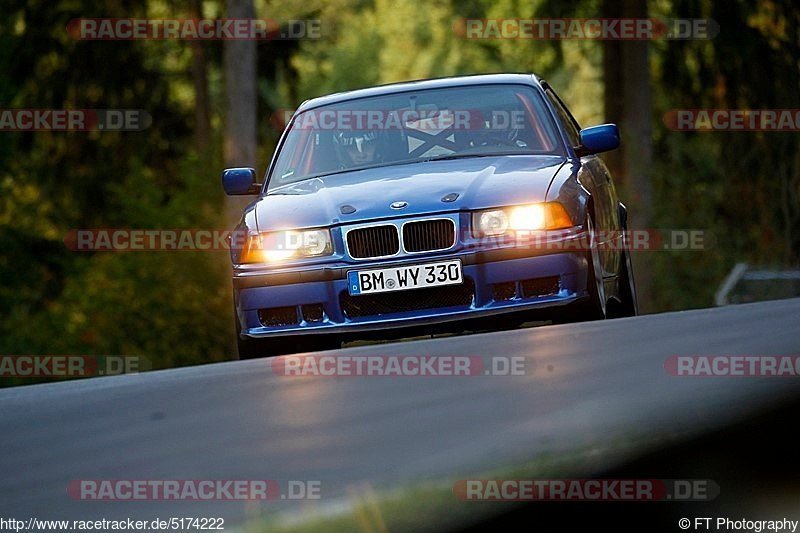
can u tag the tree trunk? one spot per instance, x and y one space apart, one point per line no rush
612 74
637 108
628 101
200 80
241 104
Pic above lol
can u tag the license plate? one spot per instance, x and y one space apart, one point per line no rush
404 277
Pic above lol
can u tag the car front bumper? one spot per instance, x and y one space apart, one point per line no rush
314 300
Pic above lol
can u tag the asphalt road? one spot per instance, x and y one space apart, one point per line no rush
589 387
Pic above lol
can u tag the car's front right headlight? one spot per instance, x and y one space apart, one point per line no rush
526 217
275 246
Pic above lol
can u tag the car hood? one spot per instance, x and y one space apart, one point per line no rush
480 182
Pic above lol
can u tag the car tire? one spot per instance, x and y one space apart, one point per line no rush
255 348
594 307
248 348
627 304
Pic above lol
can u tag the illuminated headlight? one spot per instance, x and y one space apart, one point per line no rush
531 217
493 222
527 217
270 247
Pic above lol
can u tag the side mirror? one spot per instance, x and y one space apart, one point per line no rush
240 181
597 139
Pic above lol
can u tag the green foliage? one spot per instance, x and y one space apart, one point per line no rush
742 187
174 307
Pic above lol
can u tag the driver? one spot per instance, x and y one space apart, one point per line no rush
356 148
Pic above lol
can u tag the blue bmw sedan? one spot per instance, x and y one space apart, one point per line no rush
437 205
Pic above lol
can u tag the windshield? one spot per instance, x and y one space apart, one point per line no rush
414 126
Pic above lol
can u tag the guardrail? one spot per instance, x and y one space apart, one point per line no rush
742 272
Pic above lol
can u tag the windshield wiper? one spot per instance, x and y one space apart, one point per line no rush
392 164
355 169
463 156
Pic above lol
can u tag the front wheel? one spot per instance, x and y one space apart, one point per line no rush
595 307
255 348
627 304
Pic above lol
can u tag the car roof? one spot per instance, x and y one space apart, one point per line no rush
436 83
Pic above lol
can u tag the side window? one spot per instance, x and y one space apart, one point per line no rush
570 125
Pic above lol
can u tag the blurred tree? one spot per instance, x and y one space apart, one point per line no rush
612 81
240 61
744 187
56 301
202 111
636 152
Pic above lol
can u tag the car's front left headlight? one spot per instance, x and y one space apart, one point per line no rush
270 247
528 217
